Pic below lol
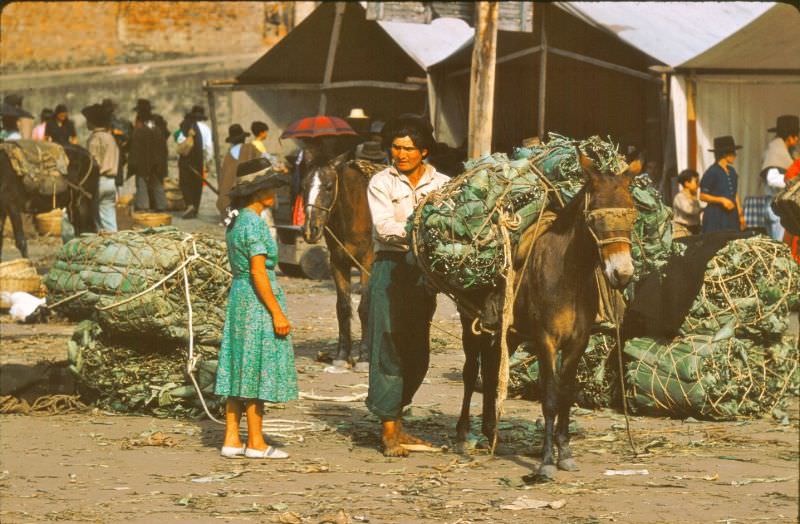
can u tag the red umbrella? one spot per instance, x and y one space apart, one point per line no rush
314 126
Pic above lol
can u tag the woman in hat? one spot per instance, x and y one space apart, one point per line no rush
61 129
719 189
256 360
777 159
236 137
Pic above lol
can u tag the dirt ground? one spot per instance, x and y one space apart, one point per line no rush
101 467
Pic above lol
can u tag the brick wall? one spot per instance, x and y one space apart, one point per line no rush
37 36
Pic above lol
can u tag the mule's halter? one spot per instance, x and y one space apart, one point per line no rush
609 219
335 196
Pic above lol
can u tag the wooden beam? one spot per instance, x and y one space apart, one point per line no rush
602 63
542 87
345 84
212 110
503 59
481 93
691 117
332 46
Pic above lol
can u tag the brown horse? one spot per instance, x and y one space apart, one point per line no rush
80 198
335 195
557 304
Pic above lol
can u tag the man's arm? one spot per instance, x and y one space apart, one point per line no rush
387 228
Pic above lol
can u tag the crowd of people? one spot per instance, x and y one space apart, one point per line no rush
712 203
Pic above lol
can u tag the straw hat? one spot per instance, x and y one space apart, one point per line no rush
357 112
255 175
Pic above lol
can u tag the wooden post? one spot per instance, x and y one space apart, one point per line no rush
540 8
691 117
212 110
481 93
332 46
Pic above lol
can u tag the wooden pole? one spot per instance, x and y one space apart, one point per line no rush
334 44
691 117
481 93
212 110
542 71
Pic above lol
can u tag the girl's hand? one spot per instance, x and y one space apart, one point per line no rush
728 204
280 324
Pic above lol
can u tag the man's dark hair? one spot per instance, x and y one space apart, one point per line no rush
258 127
417 129
722 153
785 133
47 114
686 175
10 122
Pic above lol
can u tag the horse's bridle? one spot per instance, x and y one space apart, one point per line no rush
329 210
609 219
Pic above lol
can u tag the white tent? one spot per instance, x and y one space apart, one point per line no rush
736 67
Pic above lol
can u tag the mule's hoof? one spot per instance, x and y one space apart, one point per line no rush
568 464
340 364
362 367
546 473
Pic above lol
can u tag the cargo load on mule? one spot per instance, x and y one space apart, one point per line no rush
41 165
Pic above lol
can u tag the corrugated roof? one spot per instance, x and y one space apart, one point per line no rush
671 32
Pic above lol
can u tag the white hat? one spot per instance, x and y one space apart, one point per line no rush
357 112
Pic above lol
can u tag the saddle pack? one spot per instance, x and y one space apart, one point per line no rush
42 165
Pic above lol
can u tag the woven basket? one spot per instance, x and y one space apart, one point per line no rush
152 219
15 267
49 224
29 284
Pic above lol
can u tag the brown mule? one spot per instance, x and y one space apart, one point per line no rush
335 196
557 304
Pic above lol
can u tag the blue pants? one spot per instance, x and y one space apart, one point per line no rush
106 217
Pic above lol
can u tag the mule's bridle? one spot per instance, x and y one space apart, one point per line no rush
609 219
329 210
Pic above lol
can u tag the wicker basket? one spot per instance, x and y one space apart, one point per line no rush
152 219
30 283
15 267
49 224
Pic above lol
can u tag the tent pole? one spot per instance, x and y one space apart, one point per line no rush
334 43
481 93
691 114
212 109
542 72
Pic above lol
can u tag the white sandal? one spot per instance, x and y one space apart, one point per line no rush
232 452
270 453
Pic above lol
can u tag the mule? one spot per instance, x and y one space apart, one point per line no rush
335 196
556 305
80 199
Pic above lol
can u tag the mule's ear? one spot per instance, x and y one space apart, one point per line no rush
635 168
586 163
341 159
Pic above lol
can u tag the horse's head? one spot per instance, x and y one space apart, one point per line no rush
609 214
320 189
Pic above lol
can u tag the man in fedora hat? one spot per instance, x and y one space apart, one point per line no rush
104 150
777 159
191 164
147 160
372 152
359 121
10 120
61 130
25 121
121 131
719 189
236 137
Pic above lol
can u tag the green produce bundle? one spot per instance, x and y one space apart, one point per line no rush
457 233
134 286
749 287
704 377
140 378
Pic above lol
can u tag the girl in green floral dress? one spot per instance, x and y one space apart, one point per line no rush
256 360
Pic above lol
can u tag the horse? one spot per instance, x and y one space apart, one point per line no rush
80 198
557 304
335 196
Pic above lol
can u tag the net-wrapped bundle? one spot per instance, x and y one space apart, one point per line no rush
132 377
703 377
651 238
457 233
133 283
749 286
598 379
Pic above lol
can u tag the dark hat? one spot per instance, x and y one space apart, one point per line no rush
236 134
60 108
786 125
13 99
13 111
254 175
47 114
198 113
258 127
723 144
97 114
143 106
109 104
371 151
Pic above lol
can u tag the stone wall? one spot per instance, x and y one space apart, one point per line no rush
59 35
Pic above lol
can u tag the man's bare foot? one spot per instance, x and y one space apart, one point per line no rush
391 439
405 438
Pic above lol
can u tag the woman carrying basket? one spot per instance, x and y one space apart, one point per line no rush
256 360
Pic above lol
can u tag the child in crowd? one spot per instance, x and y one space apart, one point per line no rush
686 206
256 359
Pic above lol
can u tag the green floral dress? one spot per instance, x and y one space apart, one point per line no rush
253 362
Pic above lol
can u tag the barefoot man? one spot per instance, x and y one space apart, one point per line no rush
400 306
